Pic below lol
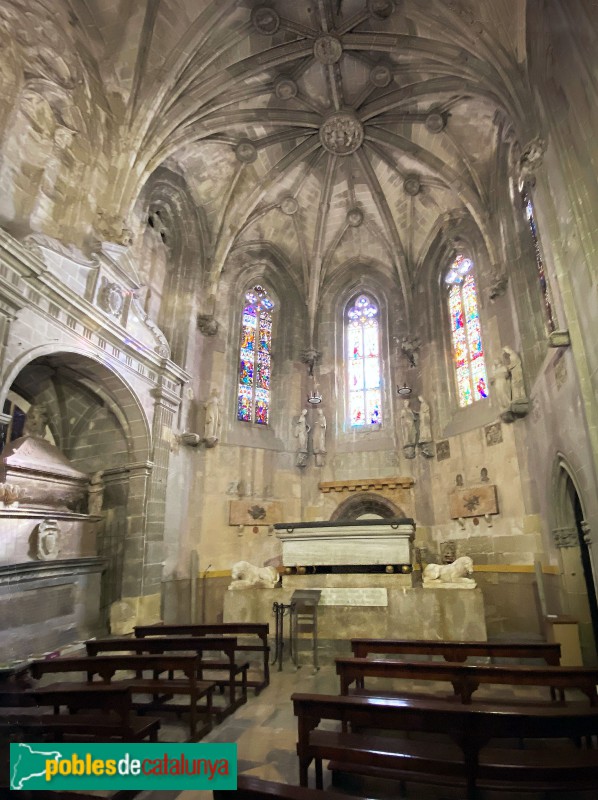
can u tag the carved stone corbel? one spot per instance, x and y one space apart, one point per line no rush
207 325
531 160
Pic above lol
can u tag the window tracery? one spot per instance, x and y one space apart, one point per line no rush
468 351
363 363
254 399
528 208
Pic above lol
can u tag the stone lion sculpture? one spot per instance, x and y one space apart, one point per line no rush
247 576
450 576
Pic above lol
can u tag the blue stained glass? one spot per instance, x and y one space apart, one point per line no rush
254 358
363 363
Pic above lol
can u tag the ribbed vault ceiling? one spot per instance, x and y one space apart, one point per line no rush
334 130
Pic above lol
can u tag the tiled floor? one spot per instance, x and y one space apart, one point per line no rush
265 731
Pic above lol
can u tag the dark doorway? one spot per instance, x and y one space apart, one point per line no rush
586 561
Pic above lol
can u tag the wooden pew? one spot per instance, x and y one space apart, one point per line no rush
198 645
550 652
161 686
258 629
115 719
466 678
251 788
464 759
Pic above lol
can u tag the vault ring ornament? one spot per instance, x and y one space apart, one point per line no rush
265 20
327 49
341 133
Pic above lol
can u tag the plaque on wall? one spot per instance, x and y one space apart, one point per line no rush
254 512
475 501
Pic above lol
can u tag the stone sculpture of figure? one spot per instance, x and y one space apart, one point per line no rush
36 420
425 427
301 431
513 364
501 384
247 576
212 423
319 438
96 493
450 576
408 425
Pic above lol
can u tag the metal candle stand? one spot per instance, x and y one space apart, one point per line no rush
280 610
303 616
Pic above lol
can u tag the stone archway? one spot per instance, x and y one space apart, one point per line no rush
571 536
366 504
98 423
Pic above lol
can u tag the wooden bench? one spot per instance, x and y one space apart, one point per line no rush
466 678
464 759
250 788
458 651
161 686
116 719
258 629
197 645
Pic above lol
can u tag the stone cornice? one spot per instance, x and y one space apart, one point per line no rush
16 574
366 485
41 289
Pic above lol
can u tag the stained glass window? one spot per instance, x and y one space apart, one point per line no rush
254 360
468 352
528 207
363 360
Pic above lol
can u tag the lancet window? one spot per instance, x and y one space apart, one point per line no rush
466 333
254 391
363 362
528 208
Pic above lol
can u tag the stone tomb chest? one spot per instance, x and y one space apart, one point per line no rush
354 546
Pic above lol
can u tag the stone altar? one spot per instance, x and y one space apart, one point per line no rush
411 613
348 562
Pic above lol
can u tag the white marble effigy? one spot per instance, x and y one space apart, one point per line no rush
358 543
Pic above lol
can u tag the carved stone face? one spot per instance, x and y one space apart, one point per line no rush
37 420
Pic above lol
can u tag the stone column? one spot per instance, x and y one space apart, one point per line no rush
166 405
144 547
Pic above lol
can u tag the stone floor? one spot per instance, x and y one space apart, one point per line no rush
265 731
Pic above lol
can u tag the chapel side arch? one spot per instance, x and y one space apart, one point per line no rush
174 231
571 534
98 423
457 234
252 264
